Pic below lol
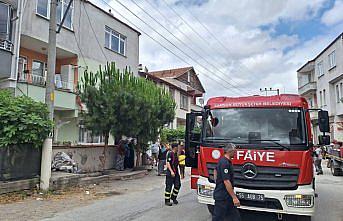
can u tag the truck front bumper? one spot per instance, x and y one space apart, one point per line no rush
287 200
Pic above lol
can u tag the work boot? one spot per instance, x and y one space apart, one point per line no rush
175 202
168 203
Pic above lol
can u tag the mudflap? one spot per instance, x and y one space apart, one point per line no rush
194 178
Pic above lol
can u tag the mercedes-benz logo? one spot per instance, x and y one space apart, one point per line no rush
249 171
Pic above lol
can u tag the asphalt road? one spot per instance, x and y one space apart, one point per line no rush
143 201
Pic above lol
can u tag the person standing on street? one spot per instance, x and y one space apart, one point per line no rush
182 163
226 201
318 160
154 150
172 177
162 156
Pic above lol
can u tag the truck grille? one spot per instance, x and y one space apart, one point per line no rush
277 178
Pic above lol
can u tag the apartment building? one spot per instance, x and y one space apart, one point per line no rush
184 86
320 81
89 37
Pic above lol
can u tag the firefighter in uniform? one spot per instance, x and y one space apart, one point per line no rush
173 182
226 201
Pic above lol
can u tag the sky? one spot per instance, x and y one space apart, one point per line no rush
235 46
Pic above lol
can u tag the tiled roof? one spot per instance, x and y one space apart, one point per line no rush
172 73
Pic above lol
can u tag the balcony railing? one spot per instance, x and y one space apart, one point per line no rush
41 81
6 45
310 86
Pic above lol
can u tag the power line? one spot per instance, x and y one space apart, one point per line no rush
214 37
187 55
190 27
182 42
159 43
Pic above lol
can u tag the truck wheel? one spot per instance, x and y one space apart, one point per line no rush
335 171
210 208
328 165
297 218
304 218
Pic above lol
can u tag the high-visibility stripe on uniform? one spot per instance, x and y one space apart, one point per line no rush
175 190
167 195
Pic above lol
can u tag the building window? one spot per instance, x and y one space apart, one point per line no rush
321 98
183 102
87 137
38 68
43 9
5 17
115 41
172 93
341 89
22 67
310 101
324 97
338 97
320 70
332 59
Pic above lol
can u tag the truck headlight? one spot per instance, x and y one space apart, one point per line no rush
299 201
206 191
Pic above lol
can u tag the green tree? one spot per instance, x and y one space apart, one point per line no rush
119 103
172 135
23 121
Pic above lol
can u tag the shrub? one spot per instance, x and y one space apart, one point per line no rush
23 121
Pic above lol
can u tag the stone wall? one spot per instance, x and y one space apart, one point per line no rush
89 157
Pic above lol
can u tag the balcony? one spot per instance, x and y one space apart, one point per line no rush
34 86
41 81
6 45
307 88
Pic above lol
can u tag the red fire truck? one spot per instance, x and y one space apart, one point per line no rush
273 165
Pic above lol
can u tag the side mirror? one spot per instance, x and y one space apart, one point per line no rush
324 139
214 121
323 121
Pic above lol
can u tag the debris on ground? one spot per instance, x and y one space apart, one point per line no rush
63 162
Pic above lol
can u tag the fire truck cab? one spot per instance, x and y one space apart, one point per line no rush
273 165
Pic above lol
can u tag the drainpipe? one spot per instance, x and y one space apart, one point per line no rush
17 35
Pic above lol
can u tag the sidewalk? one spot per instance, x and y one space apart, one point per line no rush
30 205
61 180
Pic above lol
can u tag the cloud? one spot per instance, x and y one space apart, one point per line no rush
334 15
246 55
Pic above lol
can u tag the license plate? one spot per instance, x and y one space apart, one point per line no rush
250 196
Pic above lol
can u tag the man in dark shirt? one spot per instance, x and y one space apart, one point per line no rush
226 201
172 176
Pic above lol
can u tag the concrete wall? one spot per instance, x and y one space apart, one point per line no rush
36 27
89 158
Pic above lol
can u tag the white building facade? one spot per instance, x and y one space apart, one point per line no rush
320 81
90 36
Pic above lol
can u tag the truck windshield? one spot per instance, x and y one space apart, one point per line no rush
274 126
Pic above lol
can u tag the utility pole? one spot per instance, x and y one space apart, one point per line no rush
266 90
49 98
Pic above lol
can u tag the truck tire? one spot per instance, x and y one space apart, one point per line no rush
297 218
335 171
210 208
304 218
328 165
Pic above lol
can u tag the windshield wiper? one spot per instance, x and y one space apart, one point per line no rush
273 141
